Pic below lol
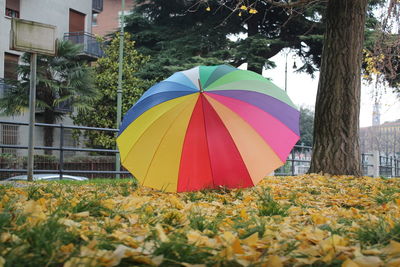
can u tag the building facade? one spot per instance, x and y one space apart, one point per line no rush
73 21
383 138
108 21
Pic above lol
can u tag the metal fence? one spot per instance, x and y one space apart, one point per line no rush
389 166
95 166
298 161
372 164
98 167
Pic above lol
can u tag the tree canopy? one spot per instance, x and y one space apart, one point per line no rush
181 34
306 126
104 111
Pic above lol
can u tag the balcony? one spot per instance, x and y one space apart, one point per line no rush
4 87
97 6
91 48
62 107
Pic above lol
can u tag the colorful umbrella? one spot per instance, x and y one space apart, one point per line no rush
207 127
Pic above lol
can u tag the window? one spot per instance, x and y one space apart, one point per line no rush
94 19
76 21
9 136
10 71
10 66
12 8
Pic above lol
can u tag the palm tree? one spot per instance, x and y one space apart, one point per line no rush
61 79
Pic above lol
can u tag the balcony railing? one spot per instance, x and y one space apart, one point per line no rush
97 6
4 87
62 107
91 48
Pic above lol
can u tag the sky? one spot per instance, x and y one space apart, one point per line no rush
302 90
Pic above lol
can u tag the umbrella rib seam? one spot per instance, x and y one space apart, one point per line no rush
208 144
141 135
233 141
162 139
251 128
210 94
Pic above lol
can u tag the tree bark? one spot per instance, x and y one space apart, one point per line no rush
336 126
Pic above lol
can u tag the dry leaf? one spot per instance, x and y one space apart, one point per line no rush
273 261
368 261
161 234
349 263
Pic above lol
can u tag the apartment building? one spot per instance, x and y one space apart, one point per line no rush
384 138
108 21
73 19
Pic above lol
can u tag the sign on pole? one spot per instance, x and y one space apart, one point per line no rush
35 38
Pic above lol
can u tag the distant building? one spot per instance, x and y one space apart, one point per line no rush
73 19
108 21
384 138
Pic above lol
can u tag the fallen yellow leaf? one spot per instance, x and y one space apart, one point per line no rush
237 248
392 249
349 263
161 234
368 261
67 248
34 211
318 218
393 263
82 214
273 261
251 240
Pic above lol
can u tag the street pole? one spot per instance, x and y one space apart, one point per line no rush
119 89
32 104
286 54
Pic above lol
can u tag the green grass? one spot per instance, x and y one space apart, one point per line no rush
267 206
379 233
333 230
92 205
255 227
40 244
386 195
10 217
199 221
179 250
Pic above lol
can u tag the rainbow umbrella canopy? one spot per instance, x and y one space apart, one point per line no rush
207 127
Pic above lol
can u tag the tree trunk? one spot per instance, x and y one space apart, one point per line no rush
48 136
336 126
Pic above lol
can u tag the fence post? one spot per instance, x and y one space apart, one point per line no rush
293 161
376 163
61 161
392 167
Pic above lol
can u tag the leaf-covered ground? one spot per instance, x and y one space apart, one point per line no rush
309 220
